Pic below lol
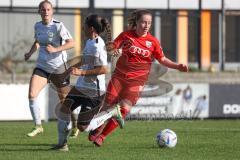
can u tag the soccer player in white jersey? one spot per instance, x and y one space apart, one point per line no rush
52 39
90 88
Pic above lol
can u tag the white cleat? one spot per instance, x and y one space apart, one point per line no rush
62 148
74 133
36 130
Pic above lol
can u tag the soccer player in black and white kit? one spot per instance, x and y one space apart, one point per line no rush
52 39
90 88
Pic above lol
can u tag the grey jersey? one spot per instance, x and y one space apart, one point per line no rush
94 54
55 33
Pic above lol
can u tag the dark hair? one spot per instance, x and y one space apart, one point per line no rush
99 24
135 16
41 4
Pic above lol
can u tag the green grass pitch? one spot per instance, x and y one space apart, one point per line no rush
197 140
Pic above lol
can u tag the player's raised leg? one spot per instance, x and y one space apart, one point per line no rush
111 125
102 117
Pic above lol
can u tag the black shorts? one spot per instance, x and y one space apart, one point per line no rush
59 80
89 106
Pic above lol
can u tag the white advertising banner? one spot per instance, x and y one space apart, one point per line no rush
184 101
14 102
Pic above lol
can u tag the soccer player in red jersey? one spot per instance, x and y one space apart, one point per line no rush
139 49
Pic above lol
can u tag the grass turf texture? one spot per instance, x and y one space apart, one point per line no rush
207 139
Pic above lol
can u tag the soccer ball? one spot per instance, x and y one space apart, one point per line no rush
166 138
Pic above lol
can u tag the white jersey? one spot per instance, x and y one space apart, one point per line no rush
55 34
94 54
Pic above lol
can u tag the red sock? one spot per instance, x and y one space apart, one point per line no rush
93 134
113 124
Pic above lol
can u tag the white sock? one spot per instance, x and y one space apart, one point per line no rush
35 111
69 127
99 119
63 132
74 117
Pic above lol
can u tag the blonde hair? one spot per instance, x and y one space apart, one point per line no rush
41 4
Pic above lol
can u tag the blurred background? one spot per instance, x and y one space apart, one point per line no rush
201 33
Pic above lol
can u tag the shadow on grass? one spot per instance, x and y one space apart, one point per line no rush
38 147
25 147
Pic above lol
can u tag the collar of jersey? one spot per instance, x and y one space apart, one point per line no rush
50 23
93 38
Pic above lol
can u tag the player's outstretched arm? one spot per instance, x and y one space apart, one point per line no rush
170 64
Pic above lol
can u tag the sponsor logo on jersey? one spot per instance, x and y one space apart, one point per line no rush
139 51
148 44
50 35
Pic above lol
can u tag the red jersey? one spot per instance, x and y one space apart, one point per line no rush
137 56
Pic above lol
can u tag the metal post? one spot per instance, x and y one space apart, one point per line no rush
125 15
91 6
199 36
11 5
57 6
157 25
222 39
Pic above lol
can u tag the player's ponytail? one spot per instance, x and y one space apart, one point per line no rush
95 21
100 25
132 22
103 22
106 27
109 44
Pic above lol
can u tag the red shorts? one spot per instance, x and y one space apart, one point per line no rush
119 89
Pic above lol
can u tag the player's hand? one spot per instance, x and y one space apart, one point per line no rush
111 49
183 68
114 53
27 56
51 49
75 71
110 46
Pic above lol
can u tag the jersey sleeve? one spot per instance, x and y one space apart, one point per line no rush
101 60
35 31
158 52
64 33
101 56
119 40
